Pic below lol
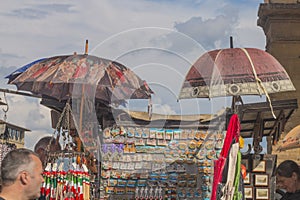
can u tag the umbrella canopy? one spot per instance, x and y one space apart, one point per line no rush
19 71
235 72
291 140
59 76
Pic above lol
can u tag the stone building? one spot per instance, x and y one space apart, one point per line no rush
280 20
12 134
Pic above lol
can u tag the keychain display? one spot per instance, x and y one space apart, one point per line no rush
66 177
150 163
69 174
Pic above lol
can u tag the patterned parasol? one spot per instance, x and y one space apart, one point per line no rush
57 77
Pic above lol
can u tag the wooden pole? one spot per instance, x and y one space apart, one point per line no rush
81 109
86 47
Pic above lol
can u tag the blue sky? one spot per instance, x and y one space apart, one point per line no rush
158 40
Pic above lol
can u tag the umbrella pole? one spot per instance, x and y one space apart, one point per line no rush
236 100
86 47
231 42
81 109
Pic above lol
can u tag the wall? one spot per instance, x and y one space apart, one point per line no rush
280 20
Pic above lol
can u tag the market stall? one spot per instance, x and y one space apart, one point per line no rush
142 156
257 123
113 154
143 159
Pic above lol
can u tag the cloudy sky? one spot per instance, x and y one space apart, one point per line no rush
157 39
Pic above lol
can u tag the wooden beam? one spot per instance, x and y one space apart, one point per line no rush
257 134
279 119
19 93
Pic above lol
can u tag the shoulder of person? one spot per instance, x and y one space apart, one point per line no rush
291 196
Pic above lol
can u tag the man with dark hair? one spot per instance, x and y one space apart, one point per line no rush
21 175
44 145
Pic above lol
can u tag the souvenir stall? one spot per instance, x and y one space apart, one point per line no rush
162 157
110 155
182 159
257 123
259 182
237 72
159 157
79 81
70 173
158 163
148 161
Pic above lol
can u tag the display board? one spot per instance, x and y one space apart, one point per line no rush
260 180
155 163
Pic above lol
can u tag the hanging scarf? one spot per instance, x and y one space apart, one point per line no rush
229 189
238 194
232 134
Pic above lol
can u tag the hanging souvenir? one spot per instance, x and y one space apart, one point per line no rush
153 163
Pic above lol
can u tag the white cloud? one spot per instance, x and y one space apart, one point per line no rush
28 114
34 29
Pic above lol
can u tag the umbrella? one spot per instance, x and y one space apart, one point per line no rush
19 71
234 72
291 140
59 76
84 79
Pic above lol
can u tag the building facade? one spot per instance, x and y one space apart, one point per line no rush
12 134
280 20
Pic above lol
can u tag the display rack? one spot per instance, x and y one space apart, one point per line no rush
68 173
158 163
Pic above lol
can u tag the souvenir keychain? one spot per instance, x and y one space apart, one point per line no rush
106 133
138 133
105 152
145 133
137 190
113 152
120 151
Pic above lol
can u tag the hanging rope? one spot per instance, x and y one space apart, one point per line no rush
260 86
66 174
64 119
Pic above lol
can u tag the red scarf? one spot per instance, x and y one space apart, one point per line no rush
233 133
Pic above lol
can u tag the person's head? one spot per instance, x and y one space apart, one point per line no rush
288 176
22 169
45 144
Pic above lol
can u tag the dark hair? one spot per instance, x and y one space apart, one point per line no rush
286 169
45 141
14 162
